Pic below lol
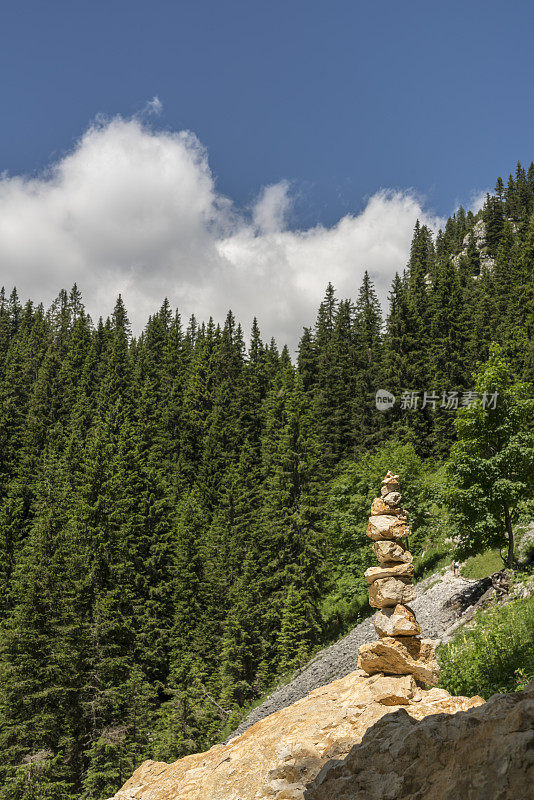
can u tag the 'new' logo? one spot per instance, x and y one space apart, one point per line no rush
384 399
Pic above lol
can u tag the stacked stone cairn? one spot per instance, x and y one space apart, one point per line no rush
399 650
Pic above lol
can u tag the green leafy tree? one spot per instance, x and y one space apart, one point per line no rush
492 463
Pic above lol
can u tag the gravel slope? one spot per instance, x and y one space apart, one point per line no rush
441 600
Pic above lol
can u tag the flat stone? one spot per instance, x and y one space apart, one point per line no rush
409 656
386 550
389 570
387 526
392 690
398 620
379 507
391 591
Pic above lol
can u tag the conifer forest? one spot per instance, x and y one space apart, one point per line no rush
177 508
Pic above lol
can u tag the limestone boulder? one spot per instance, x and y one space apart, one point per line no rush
486 753
409 656
279 756
389 570
386 550
387 526
391 591
396 621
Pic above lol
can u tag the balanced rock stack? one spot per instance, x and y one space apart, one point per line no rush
399 651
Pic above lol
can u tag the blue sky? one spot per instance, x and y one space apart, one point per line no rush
337 100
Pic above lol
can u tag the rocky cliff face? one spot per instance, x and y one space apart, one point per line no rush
278 757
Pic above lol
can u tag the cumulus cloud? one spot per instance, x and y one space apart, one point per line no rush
271 207
136 211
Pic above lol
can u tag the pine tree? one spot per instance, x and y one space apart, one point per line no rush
368 335
166 546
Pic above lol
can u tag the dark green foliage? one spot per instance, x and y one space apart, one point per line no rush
182 518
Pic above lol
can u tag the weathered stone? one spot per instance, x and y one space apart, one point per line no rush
391 482
392 498
398 620
391 591
386 550
409 656
484 754
390 477
281 754
392 690
387 526
389 570
379 507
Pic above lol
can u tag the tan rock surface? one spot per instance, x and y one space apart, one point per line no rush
390 591
278 756
387 526
392 498
386 550
397 621
392 690
389 570
484 754
391 484
379 507
409 656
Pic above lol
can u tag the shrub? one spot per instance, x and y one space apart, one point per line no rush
496 654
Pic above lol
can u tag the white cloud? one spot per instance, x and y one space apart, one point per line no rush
136 211
478 198
154 106
271 207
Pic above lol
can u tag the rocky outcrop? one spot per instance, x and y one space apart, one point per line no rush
282 754
484 754
481 243
399 651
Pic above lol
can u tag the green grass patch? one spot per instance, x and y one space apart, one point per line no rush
496 654
482 565
433 560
